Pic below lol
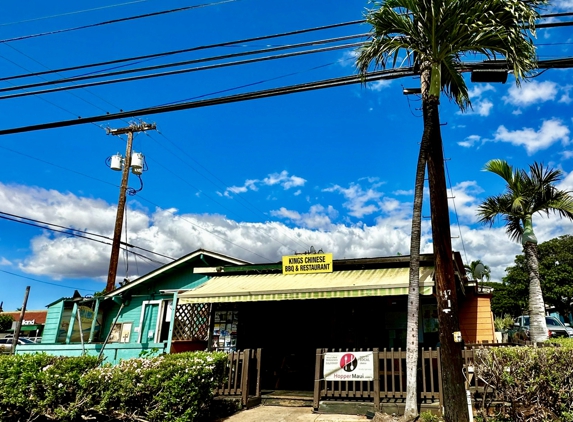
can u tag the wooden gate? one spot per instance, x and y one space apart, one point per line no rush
389 384
243 376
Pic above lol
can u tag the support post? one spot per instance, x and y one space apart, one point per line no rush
72 322
19 323
172 322
94 321
114 257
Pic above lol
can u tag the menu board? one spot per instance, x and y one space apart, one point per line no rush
225 331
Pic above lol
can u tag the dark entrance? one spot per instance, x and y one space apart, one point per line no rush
290 331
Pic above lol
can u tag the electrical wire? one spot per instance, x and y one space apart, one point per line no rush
72 13
176 72
455 209
291 89
187 50
57 165
246 204
44 282
70 231
130 18
202 60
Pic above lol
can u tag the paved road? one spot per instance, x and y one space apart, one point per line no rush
288 414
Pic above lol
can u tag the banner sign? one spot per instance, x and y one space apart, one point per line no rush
349 366
307 264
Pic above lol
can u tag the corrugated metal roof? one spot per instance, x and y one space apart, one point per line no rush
339 284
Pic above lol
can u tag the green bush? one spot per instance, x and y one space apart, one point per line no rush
525 383
40 385
174 388
503 324
171 388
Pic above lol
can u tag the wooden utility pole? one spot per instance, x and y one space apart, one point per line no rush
19 323
113 260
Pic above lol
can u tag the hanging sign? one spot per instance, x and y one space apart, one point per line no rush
349 366
307 263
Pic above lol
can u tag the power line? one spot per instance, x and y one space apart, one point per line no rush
187 50
170 73
231 43
72 13
246 204
130 18
43 282
72 232
328 83
194 61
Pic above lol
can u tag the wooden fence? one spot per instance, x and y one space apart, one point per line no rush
243 375
389 382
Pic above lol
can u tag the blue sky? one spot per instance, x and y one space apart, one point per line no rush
331 168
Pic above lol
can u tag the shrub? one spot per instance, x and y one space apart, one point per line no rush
527 383
167 388
503 324
40 384
170 388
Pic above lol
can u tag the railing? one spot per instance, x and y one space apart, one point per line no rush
389 383
243 375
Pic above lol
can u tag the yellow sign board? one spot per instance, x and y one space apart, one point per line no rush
307 264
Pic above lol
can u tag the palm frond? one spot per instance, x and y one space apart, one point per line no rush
502 169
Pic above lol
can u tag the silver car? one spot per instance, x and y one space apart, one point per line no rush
555 328
6 344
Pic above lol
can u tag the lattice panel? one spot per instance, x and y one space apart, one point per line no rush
192 322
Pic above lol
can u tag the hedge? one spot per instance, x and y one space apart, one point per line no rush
171 388
525 383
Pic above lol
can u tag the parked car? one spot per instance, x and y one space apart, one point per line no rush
555 328
6 344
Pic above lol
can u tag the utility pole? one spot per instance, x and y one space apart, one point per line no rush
113 260
19 323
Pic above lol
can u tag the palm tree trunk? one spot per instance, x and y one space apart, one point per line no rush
412 329
454 395
537 324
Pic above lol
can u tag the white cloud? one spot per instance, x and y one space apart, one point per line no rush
348 58
470 141
360 202
551 131
5 262
318 217
379 85
529 93
282 179
175 234
409 192
478 89
565 98
465 197
480 108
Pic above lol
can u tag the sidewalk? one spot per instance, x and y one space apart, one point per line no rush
288 414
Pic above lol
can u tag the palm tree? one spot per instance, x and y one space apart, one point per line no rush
476 271
525 195
435 35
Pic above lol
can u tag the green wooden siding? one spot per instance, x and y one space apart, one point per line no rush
53 319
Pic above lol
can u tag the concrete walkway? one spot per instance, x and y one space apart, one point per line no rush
288 414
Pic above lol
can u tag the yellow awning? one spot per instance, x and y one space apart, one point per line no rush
339 284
